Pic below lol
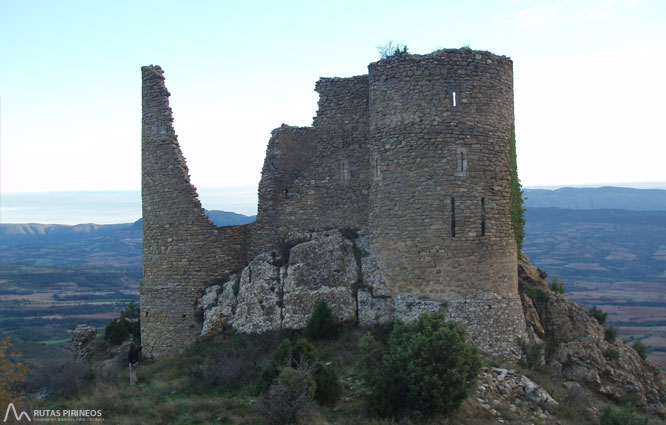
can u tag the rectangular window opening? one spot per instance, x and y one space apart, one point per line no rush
453 217
454 99
483 216
344 171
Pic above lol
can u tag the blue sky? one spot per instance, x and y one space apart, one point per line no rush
589 86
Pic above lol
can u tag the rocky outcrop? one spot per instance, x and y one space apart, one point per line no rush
84 339
514 392
272 293
577 349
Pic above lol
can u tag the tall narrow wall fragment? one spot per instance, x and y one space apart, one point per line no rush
183 250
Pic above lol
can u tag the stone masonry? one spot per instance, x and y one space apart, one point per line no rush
416 154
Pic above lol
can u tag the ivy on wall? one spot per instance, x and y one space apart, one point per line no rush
517 209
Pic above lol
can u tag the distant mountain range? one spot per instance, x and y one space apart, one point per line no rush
562 225
586 198
107 245
31 233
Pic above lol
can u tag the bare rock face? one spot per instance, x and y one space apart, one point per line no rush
323 268
84 339
269 296
376 305
218 305
580 353
529 274
259 302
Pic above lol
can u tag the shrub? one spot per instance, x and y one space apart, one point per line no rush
284 247
290 396
328 385
426 366
516 207
557 285
302 351
576 403
12 370
268 375
598 314
624 416
390 49
538 294
640 348
126 326
612 354
58 378
533 355
281 358
349 233
320 325
287 354
610 333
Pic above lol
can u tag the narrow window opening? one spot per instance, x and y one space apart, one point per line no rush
483 216
344 171
146 315
461 161
286 193
184 316
453 217
376 170
454 99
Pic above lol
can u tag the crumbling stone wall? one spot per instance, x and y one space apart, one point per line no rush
416 152
317 177
182 249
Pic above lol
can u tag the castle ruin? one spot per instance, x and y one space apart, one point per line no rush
416 153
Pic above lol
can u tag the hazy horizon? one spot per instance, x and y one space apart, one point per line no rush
124 206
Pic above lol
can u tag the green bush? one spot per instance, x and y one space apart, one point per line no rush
267 377
610 333
612 354
290 396
328 385
640 348
320 325
425 366
282 354
557 285
516 207
598 314
533 355
538 294
624 416
287 354
302 351
124 327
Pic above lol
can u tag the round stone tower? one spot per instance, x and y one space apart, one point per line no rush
441 127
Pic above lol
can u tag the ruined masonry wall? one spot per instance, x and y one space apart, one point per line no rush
317 177
182 249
